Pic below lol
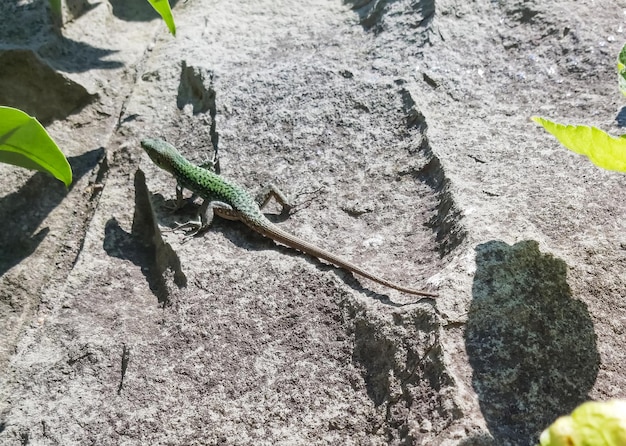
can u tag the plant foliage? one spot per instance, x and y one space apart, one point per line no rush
25 143
163 8
601 148
594 423
160 6
621 70
55 8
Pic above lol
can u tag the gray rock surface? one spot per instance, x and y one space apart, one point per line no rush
409 123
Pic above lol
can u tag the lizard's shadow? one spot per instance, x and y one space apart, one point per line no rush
245 238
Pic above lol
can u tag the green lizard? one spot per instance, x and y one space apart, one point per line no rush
231 201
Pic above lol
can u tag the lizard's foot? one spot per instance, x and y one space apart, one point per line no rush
213 165
288 208
299 205
179 204
181 201
173 208
191 229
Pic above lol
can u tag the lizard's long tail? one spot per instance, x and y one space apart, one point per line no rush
275 233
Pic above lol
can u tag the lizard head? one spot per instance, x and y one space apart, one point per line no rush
162 153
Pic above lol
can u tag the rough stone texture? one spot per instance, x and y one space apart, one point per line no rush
409 121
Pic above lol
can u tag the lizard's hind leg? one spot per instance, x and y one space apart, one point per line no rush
270 191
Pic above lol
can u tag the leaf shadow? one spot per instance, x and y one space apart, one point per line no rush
136 10
72 56
25 210
532 347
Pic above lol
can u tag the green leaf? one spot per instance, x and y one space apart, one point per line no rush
621 70
57 13
25 143
601 148
597 423
163 8
55 6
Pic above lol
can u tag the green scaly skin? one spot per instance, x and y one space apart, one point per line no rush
231 201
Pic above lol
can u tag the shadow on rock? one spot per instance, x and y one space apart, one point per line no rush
621 117
532 346
144 246
372 13
404 371
24 210
73 56
135 10
32 85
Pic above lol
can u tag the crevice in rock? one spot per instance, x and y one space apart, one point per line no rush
96 157
125 361
196 88
101 175
446 223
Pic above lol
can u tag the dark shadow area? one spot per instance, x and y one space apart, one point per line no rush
24 210
378 355
621 117
195 87
123 245
78 8
372 12
478 440
404 371
136 10
144 246
532 346
446 222
521 12
26 23
23 22
74 56
30 84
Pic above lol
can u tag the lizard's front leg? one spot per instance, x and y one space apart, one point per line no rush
207 210
180 200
